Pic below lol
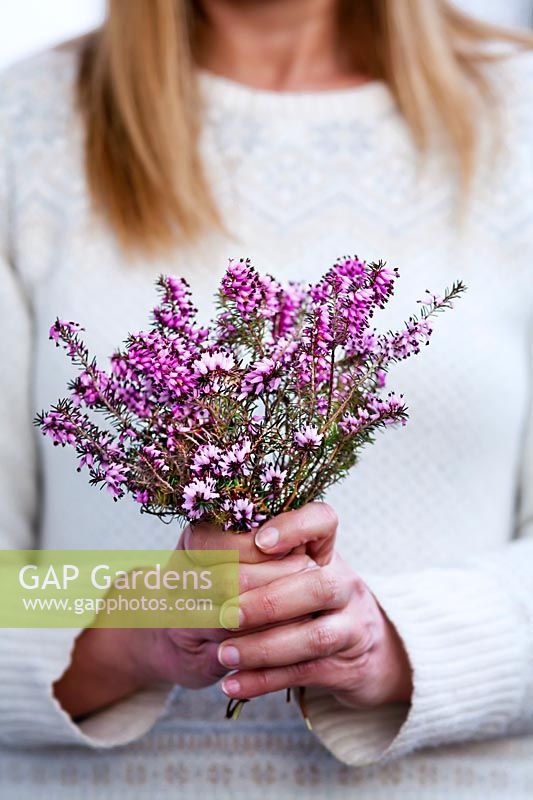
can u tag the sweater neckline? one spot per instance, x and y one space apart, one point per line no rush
371 97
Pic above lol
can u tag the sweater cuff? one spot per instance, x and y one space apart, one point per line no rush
466 639
30 715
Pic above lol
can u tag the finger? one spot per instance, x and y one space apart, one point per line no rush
252 576
311 590
255 683
314 525
201 537
288 644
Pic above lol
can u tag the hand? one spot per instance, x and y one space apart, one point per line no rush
110 664
322 627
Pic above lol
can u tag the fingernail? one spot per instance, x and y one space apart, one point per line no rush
228 655
311 564
231 616
267 538
231 686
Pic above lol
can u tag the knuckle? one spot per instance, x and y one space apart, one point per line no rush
263 680
244 581
262 654
326 587
323 640
364 639
270 606
330 515
359 586
301 519
301 670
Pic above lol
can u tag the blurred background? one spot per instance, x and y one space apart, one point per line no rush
31 25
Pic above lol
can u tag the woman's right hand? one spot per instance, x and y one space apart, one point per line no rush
107 664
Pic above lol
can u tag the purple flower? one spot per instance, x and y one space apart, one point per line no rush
243 510
241 514
262 375
142 496
206 458
206 423
234 462
198 496
308 437
214 362
114 477
241 284
273 477
61 330
59 427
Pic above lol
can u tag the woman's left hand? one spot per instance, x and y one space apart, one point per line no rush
321 627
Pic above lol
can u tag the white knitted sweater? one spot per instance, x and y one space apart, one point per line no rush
437 517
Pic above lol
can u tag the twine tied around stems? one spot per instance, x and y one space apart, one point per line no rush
235 706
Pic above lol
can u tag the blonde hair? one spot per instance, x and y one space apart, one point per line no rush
138 98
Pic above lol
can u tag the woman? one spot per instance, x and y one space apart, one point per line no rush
181 134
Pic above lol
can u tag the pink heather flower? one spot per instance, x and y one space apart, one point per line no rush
211 417
353 423
260 377
197 496
114 477
156 457
61 328
141 496
406 342
270 291
389 410
206 457
233 462
214 362
242 515
241 284
89 388
381 378
291 301
273 476
308 437
383 284
60 429
243 510
430 299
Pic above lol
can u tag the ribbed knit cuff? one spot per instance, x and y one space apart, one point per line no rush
467 640
30 662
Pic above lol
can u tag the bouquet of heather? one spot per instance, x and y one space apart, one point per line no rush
255 415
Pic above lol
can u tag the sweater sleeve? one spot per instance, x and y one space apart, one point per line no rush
31 660
468 633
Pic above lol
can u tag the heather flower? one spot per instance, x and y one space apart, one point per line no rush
263 375
291 301
214 362
308 437
61 328
236 460
114 478
197 497
273 477
241 284
59 427
207 423
141 496
353 423
206 458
